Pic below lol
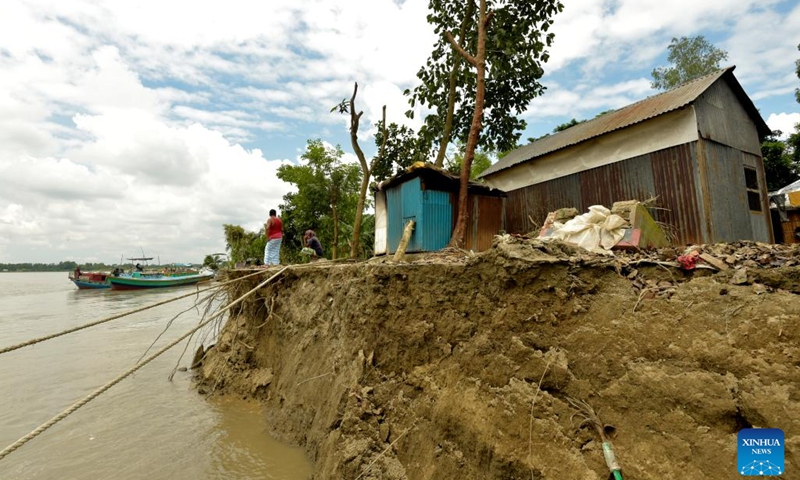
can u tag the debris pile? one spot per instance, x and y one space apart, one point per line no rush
626 225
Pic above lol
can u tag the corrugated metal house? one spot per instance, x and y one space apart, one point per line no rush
697 147
429 196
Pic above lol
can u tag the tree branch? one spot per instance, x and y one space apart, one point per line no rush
355 118
469 58
382 150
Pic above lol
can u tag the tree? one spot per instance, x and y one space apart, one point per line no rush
401 149
326 197
691 57
779 167
782 157
561 128
503 45
242 244
797 71
214 261
480 163
515 47
366 168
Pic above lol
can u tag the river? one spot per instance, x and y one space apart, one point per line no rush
144 427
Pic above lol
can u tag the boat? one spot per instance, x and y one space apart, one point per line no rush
165 279
90 280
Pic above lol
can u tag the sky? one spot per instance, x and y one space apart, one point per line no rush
144 126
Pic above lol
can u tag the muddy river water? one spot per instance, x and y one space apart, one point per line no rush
143 428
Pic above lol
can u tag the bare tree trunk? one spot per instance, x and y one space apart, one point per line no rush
365 169
479 62
451 96
362 198
335 246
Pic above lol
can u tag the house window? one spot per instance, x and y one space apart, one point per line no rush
753 192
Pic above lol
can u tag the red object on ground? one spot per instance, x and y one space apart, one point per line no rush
689 261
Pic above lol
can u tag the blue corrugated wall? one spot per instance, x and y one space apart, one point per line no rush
437 213
431 211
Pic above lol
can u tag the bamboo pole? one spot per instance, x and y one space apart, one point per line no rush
400 254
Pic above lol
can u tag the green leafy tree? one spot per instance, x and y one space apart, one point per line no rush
63 266
215 261
401 149
780 167
782 157
480 163
242 245
502 44
797 71
691 57
326 198
514 43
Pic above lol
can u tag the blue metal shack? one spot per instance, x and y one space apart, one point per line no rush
429 196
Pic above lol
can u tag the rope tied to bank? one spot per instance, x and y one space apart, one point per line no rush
43 427
51 336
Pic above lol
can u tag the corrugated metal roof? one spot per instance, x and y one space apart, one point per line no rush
646 109
792 187
438 179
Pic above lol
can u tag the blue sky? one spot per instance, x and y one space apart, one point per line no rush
150 124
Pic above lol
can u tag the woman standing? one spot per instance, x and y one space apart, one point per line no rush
274 232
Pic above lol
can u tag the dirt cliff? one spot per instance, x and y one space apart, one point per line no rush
462 366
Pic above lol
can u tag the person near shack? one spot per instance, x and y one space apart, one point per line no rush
312 249
77 271
274 231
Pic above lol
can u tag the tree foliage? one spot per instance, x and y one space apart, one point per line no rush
480 163
516 44
782 157
505 42
561 128
691 57
63 266
781 160
242 245
797 71
403 147
325 201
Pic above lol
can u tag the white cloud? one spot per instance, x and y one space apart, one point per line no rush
785 122
585 101
92 164
127 117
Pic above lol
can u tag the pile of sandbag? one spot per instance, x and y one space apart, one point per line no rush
598 230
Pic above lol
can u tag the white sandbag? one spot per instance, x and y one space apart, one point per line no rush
597 230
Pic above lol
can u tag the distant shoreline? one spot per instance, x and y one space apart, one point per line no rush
35 271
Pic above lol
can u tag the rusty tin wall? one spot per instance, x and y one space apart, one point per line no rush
486 222
731 217
670 174
485 219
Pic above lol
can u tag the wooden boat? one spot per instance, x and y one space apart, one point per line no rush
90 280
144 280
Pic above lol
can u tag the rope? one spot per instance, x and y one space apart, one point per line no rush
22 441
34 341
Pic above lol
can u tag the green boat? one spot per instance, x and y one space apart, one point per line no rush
143 280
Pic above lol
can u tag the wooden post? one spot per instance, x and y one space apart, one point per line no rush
400 254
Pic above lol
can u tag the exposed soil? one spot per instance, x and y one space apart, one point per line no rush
459 366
